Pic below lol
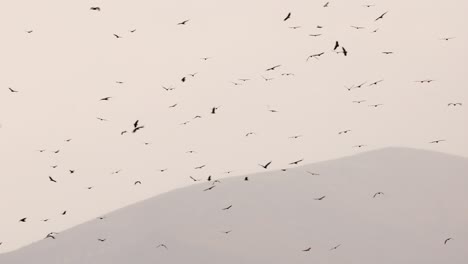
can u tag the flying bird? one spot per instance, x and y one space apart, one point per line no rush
162 245
273 68
376 82
320 198
357 27
288 16
437 141
200 167
95 8
209 188
105 98
117 36
52 179
381 16
447 39
183 22
345 52
137 182
387 52
227 208
101 239
377 193
296 162
315 56
337 45
266 165
307 249
375 105
447 240
335 247
193 178
454 104
344 132
23 219
11 90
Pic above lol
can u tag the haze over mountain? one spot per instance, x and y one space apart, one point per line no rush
276 216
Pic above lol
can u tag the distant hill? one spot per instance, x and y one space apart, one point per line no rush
276 215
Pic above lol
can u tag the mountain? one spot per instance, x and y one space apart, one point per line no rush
276 215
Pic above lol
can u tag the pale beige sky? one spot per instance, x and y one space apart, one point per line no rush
72 59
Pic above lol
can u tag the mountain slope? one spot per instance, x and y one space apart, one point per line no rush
275 215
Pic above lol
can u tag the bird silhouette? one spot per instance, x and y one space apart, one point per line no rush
296 162
64 212
387 52
51 179
313 173
132 31
447 240
209 188
250 133
295 137
335 247
315 56
183 22
381 16
447 39
213 110
227 208
200 167
359 101
320 198
288 16
295 27
375 105
337 45
454 104
101 239
376 82
11 90
23 219
137 182
326 4
117 36
307 249
273 68
437 141
357 27
137 128
377 193
344 132
315 35
105 98
162 245
246 178
95 8
193 178
29 31
71 171
266 165
345 52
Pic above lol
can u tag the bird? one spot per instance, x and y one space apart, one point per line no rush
227 232
205 58
197 116
296 162
359 146
295 137
357 27
117 36
359 101
209 188
307 249
209 178
437 141
29 31
50 235
213 109
288 16
377 193
68 140
368 5
193 74
11 90
295 27
168 88
64 212
183 79
56 151
41 150
137 128
23 219
123 132
425 81
447 39
315 56
137 182
227 208
105 98
163 170
335 247
273 68
200 167
287 74
101 119
345 52
344 132
375 105
320 198
250 133
376 82
326 4
101 239
193 178
266 165
71 171
244 80
162 245
387 52
52 179
119 82
132 31
454 104
183 22
172 106
381 16
267 79
246 178
313 173
447 240
95 8
337 45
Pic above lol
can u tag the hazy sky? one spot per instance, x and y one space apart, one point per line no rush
71 60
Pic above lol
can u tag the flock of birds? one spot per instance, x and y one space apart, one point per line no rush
137 125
